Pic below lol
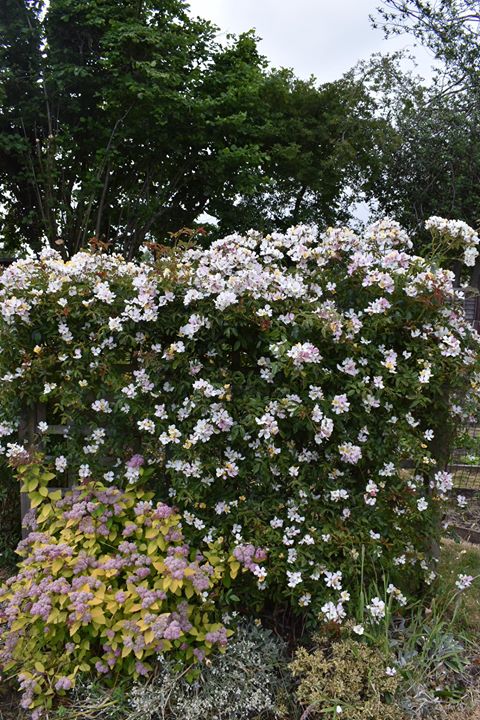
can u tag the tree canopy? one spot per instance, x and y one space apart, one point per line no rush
430 162
433 167
125 121
449 28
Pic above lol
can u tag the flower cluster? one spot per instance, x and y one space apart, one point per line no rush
459 233
288 393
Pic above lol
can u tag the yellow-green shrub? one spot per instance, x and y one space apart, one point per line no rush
106 581
348 678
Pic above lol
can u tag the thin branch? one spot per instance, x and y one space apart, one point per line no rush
98 175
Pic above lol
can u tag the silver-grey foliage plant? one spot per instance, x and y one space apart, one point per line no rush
246 681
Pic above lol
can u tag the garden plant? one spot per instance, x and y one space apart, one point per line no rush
256 429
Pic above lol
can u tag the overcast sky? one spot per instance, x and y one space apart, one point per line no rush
320 37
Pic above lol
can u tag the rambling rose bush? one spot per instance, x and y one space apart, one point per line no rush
106 582
289 393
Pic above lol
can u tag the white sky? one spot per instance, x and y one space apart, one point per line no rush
320 37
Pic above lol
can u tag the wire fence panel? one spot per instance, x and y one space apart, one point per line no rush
465 477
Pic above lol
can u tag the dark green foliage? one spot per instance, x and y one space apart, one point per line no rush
429 157
9 518
320 150
125 121
433 165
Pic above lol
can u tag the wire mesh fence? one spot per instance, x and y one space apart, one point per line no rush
466 477
465 464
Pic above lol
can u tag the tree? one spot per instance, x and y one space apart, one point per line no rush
433 167
430 162
321 148
449 28
125 121
115 133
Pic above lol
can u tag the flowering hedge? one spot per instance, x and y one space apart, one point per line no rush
274 389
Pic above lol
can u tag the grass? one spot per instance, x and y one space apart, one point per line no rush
462 558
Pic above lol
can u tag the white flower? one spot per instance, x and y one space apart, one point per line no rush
276 522
390 361
464 581
294 578
6 429
350 453
224 299
411 420
147 425
332 612
443 481
42 426
390 671
371 491
333 579
194 324
302 353
348 367
422 504
160 412
16 451
462 501
326 429
340 494
115 324
397 594
61 463
425 375
268 424
48 387
172 436
358 629
470 256
101 406
292 556
102 292
340 404
265 311
305 600
376 608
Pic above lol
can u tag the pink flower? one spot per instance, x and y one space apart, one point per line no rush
136 461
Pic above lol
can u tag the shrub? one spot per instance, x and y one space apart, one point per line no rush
275 388
348 678
106 582
246 681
